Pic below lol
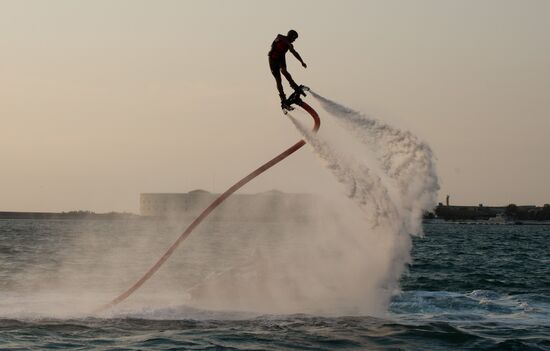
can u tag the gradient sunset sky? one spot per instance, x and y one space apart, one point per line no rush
103 100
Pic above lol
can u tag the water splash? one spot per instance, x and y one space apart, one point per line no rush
393 191
362 185
401 155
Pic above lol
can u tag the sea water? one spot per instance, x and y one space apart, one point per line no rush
470 287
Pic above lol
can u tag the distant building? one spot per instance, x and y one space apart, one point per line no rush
479 212
264 206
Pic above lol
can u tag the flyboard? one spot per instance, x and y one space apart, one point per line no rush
294 99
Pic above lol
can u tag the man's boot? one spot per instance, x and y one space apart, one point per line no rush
284 104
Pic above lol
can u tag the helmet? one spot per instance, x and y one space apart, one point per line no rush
293 34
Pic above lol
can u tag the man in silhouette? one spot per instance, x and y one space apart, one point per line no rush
277 63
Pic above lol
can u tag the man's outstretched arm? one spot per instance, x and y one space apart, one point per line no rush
297 55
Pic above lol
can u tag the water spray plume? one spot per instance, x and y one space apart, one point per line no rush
402 157
361 184
393 191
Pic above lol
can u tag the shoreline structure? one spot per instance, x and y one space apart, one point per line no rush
264 206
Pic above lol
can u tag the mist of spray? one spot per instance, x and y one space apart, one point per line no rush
402 157
361 184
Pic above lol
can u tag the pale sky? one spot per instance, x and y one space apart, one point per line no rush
103 100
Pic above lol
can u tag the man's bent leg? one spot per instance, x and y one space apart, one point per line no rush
289 78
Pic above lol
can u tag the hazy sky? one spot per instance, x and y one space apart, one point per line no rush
103 100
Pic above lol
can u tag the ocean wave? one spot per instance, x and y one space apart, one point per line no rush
269 332
474 306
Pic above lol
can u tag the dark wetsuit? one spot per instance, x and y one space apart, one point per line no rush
276 55
277 61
